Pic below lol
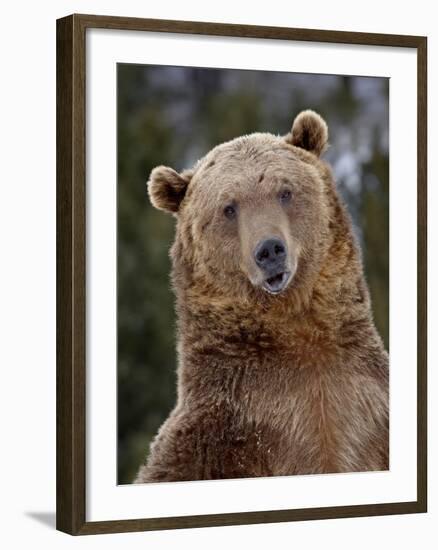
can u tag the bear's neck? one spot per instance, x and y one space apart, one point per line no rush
237 329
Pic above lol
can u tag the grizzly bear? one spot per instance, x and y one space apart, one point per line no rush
281 370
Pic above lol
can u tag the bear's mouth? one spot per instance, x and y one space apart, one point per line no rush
276 283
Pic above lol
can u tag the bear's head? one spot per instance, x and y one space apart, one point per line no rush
254 214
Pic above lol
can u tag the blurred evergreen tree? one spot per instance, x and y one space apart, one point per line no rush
375 228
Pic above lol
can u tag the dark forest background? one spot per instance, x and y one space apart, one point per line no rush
173 116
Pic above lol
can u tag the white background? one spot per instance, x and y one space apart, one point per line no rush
27 289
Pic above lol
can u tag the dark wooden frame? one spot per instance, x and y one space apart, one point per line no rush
71 231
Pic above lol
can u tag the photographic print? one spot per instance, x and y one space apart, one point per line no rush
241 274
253 273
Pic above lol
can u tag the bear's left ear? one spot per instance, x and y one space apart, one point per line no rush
167 188
309 132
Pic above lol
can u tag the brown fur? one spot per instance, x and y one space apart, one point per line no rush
295 383
309 131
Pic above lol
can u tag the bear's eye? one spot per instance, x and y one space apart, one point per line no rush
285 196
230 211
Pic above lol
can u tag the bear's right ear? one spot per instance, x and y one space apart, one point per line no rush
167 188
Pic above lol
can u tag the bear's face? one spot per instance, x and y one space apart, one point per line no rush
253 211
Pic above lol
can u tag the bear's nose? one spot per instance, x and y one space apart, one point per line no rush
270 253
